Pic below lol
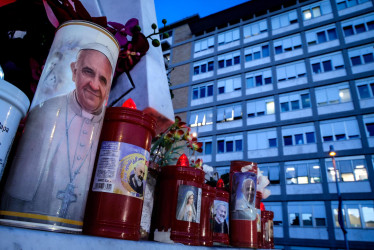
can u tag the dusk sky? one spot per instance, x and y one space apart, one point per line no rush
175 10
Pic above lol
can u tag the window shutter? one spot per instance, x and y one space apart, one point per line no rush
300 68
337 60
352 127
228 36
255 29
235 35
296 40
229 86
247 31
252 141
274 173
326 7
339 128
326 129
237 111
281 73
251 107
200 117
204 44
220 114
345 166
262 141
221 38
292 15
237 83
321 96
310 37
197 46
209 117
210 41
263 25
302 170
228 113
193 118
291 71
275 23
332 94
260 106
287 43
284 21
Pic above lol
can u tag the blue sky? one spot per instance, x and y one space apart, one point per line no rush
175 10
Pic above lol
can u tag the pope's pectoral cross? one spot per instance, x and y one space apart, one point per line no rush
67 197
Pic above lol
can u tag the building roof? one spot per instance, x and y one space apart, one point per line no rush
234 14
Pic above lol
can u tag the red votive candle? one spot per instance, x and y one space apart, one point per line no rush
267 229
179 204
207 205
221 215
115 200
258 218
243 226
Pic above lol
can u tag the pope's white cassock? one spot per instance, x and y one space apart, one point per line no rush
52 168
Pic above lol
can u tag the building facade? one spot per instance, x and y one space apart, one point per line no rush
277 84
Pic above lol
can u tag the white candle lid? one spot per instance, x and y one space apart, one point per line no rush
13 95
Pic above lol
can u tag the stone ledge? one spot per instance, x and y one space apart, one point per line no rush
20 238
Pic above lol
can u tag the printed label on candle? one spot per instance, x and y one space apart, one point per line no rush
220 217
243 194
189 203
121 169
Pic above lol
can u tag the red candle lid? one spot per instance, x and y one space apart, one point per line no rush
262 206
183 161
220 184
129 103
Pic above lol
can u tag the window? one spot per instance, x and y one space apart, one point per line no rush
297 100
349 169
260 107
307 214
291 71
327 63
369 125
356 214
255 29
229 113
333 94
202 66
202 91
228 36
343 4
365 88
283 20
201 118
204 44
256 52
334 130
316 10
271 171
303 172
229 143
229 59
230 84
298 135
358 25
262 139
208 148
361 55
287 44
258 78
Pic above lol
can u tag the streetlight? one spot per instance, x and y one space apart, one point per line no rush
332 153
